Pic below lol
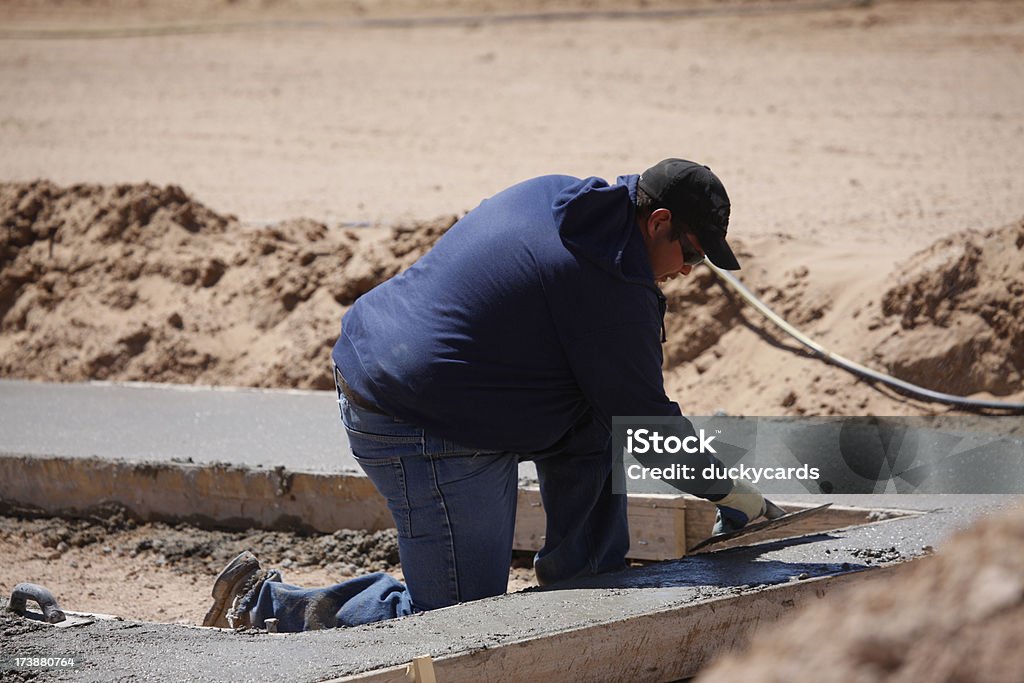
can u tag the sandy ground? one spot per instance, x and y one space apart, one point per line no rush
894 122
873 152
108 564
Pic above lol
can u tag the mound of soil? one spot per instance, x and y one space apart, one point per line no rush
138 282
701 308
956 616
699 312
143 283
957 315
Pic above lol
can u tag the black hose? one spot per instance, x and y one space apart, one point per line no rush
856 368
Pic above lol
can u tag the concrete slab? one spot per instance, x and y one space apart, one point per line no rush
233 457
623 626
164 423
171 423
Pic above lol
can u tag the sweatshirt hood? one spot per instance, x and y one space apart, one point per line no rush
598 222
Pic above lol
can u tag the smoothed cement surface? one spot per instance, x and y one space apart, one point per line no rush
166 423
114 650
299 430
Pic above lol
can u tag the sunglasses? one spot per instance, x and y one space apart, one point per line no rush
691 257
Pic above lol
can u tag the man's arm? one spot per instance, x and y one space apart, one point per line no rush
619 370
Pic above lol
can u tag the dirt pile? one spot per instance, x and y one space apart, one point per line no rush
137 282
956 616
698 314
949 318
957 315
701 308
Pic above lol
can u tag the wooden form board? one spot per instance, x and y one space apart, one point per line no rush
664 526
666 645
657 525
239 497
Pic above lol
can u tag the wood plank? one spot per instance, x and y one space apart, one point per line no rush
657 524
662 646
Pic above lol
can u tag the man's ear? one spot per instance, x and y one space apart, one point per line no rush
660 220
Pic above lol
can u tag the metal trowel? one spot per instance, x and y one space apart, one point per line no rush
776 518
51 613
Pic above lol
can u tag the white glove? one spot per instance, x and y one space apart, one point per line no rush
743 504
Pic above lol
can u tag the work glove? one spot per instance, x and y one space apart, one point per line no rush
743 504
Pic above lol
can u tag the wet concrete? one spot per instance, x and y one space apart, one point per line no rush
117 650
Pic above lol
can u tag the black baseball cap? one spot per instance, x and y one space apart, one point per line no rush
695 195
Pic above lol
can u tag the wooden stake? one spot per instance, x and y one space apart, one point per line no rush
421 670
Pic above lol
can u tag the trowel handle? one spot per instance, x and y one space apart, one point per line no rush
772 511
30 591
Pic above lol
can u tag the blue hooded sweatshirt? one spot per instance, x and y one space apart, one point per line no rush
534 314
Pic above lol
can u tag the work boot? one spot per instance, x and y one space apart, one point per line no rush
237 577
246 595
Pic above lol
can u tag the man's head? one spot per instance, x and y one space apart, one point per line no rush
696 207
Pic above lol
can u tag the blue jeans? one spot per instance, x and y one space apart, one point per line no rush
455 510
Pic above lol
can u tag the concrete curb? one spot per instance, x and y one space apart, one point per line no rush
220 495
